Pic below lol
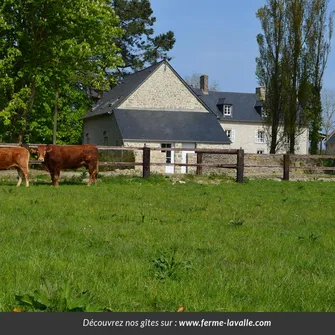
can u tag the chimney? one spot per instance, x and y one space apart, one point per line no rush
260 91
204 83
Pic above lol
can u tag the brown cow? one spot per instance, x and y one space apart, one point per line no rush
59 157
17 157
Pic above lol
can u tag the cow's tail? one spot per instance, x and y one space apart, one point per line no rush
96 171
26 175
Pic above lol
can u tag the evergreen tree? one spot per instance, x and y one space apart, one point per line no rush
139 46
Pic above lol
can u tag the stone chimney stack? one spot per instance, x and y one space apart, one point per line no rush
204 83
260 91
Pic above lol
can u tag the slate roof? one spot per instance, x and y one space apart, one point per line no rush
113 98
245 106
170 126
331 139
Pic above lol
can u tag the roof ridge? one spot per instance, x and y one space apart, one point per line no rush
147 68
231 92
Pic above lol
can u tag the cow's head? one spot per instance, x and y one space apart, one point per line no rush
42 150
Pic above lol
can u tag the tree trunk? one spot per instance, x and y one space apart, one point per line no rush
54 134
274 134
27 114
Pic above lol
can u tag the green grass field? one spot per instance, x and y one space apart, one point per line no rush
154 245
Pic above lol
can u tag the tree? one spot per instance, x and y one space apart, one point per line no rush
194 81
328 108
49 50
270 69
296 70
319 49
138 45
293 54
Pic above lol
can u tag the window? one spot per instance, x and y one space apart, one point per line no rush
230 134
106 140
264 113
227 110
260 152
168 153
260 136
87 138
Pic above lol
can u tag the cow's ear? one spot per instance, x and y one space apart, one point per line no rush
48 149
33 149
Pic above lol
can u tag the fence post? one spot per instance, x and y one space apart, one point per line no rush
146 162
199 161
240 165
286 175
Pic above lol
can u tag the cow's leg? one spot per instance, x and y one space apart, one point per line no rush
90 179
52 175
56 178
96 173
92 169
24 172
20 175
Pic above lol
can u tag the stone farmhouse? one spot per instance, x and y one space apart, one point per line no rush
241 116
157 108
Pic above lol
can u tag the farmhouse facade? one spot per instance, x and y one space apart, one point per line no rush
154 107
157 108
241 116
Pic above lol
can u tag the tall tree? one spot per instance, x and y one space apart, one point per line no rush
194 81
269 67
139 46
48 48
294 50
319 49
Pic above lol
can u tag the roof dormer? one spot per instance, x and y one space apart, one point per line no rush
225 107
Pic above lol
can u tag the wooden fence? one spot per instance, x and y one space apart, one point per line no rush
239 166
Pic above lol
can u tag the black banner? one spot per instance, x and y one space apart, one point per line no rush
166 323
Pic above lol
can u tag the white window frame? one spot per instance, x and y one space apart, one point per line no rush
227 110
168 153
260 139
230 134
260 151
264 113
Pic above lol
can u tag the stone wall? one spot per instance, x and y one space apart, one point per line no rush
254 166
157 156
163 90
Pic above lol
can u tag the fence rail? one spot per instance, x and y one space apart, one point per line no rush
239 166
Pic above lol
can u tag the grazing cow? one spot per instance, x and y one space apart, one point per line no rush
17 157
59 157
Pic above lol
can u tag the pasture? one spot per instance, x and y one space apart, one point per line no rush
156 244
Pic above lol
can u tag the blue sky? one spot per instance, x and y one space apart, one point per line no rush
218 38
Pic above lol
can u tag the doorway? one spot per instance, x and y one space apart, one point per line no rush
184 155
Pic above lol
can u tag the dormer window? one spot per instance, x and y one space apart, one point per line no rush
264 113
227 110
